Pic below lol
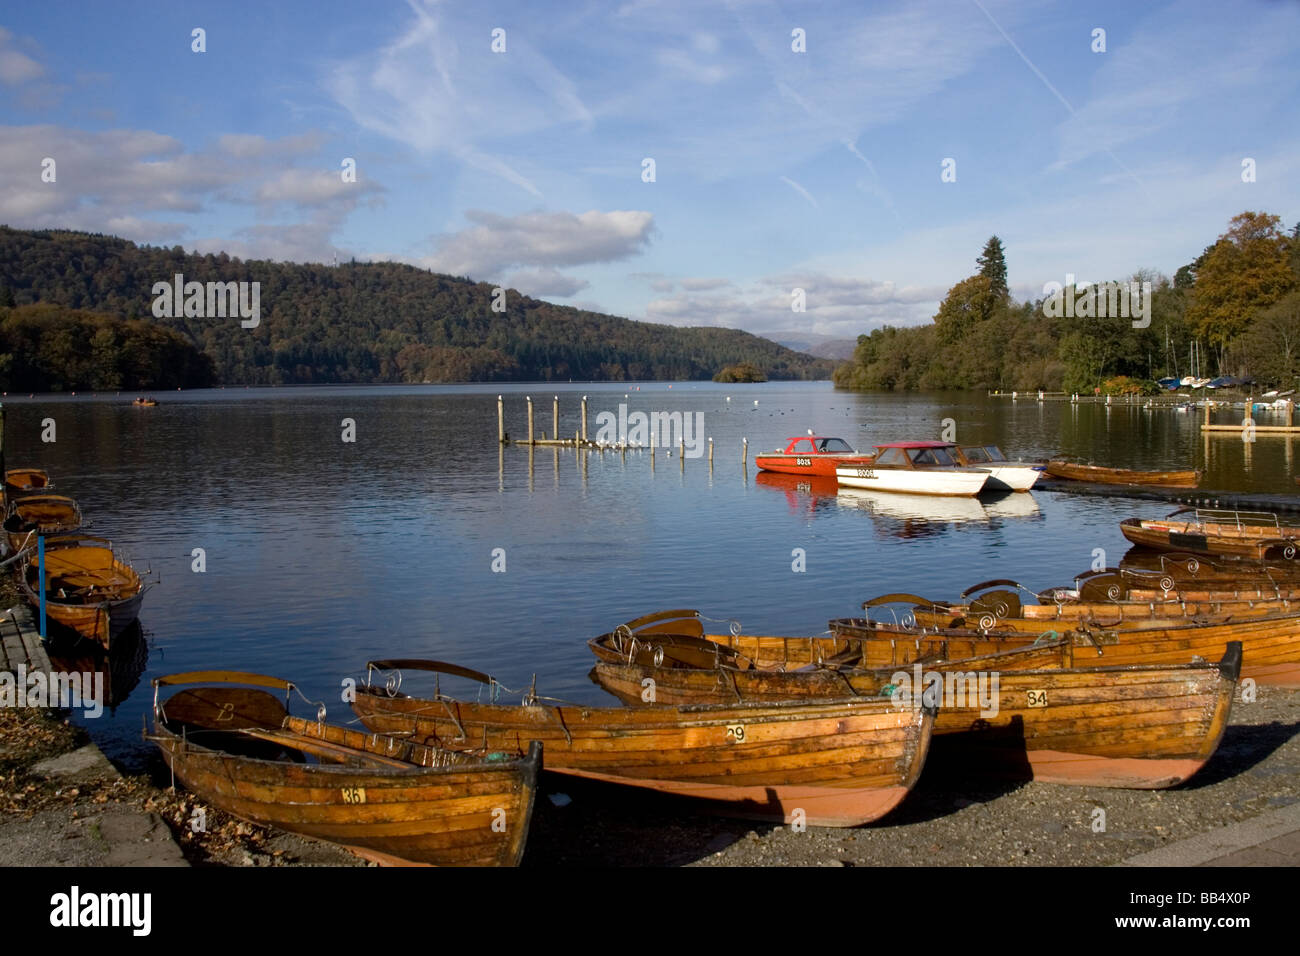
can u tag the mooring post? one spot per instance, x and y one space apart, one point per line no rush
555 417
530 418
1207 411
40 569
501 421
710 450
584 419
681 452
744 451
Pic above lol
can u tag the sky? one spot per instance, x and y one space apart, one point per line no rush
862 152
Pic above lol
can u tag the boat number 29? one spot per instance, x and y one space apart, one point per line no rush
354 794
736 732
1037 698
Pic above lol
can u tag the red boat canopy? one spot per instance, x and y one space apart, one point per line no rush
916 444
816 441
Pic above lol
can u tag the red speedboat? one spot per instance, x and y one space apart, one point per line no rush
812 455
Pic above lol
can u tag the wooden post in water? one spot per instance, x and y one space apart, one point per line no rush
501 421
555 417
1207 411
681 451
710 452
744 451
530 418
584 419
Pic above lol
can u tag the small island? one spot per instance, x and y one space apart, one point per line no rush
743 372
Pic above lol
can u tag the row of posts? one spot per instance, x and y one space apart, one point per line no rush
580 439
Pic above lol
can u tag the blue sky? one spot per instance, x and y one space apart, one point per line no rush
774 169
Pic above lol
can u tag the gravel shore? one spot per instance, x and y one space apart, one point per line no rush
950 819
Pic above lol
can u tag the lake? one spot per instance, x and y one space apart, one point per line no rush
321 554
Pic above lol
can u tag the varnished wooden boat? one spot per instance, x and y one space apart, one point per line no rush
1059 468
40 514
840 762
1270 642
1258 536
143 402
87 587
691 667
1045 712
239 749
1102 598
22 481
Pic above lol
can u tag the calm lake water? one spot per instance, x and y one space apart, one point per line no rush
321 554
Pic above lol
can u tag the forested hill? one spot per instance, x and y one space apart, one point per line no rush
374 322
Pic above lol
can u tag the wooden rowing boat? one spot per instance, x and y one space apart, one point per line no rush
1029 707
1071 471
40 514
87 587
839 762
1259 536
1270 642
22 481
395 801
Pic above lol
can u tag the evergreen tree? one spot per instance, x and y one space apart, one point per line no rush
993 266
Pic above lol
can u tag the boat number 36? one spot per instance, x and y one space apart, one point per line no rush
1037 698
736 732
803 462
354 794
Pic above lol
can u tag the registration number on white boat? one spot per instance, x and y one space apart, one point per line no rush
866 472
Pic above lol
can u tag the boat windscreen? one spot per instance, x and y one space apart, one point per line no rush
932 456
975 453
890 456
995 453
834 445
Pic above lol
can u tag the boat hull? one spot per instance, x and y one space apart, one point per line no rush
1255 543
915 481
838 763
816 465
432 815
1010 477
1121 476
77 568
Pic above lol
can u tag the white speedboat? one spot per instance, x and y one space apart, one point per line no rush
915 468
1005 475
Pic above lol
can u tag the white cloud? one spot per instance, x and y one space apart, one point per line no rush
540 239
16 67
546 282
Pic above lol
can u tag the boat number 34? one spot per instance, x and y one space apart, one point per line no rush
736 732
354 794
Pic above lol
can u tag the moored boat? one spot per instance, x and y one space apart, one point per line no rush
1004 475
22 481
87 587
840 762
36 515
914 467
1072 471
394 801
1048 710
1260 536
811 455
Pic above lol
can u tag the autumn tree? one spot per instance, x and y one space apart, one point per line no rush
968 303
1245 271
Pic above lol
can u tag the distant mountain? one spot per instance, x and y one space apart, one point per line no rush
368 322
811 343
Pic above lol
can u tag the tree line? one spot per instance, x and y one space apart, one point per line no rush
373 322
1235 309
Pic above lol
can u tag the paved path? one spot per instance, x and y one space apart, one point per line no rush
20 644
1271 839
